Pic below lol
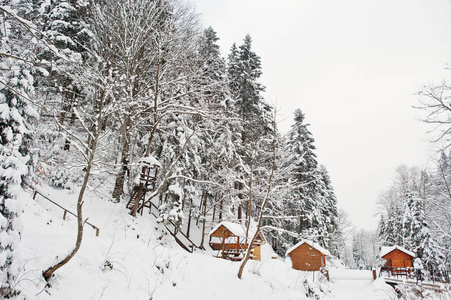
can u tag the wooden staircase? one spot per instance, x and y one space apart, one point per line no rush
184 241
137 203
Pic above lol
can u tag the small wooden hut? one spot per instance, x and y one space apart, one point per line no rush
308 256
229 239
398 258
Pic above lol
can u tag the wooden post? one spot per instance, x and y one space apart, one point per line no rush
34 196
189 223
223 242
64 215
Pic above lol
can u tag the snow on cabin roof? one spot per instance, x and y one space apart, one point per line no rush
235 228
386 250
149 160
311 244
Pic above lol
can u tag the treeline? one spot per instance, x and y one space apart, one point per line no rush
415 211
89 88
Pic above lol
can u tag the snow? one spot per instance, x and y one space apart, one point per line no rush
386 250
134 258
358 284
311 244
235 228
149 160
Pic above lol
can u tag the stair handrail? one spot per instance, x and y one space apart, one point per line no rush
65 209
193 245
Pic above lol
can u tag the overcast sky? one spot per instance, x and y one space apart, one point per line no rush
353 67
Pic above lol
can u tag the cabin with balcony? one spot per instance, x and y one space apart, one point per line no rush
230 240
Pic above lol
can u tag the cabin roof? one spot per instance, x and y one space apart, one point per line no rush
311 244
236 229
387 250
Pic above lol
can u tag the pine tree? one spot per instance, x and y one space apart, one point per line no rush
305 205
244 71
329 213
15 129
62 24
233 72
309 206
418 236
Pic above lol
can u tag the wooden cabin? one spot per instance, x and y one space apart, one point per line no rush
398 258
229 239
307 256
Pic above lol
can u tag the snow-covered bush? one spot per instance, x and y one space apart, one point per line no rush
172 213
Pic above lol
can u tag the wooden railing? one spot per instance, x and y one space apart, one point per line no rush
175 232
433 275
36 192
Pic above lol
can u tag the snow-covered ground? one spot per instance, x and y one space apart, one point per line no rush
358 284
134 258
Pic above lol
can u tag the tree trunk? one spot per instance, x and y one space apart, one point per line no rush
189 223
260 218
214 211
204 214
239 213
49 272
220 211
120 177
138 196
72 118
204 193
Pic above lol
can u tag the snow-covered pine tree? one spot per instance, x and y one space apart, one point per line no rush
245 70
418 236
62 24
392 207
16 89
305 203
308 208
439 210
406 220
213 82
329 212
233 72
219 152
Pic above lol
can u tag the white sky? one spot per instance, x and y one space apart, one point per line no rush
353 67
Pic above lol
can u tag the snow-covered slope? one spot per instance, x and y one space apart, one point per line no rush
133 258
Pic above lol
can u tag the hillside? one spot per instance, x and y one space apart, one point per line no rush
133 258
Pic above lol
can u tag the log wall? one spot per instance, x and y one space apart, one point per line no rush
398 259
306 258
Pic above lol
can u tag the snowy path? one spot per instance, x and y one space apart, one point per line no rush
358 284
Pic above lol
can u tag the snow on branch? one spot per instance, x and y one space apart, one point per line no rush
195 180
